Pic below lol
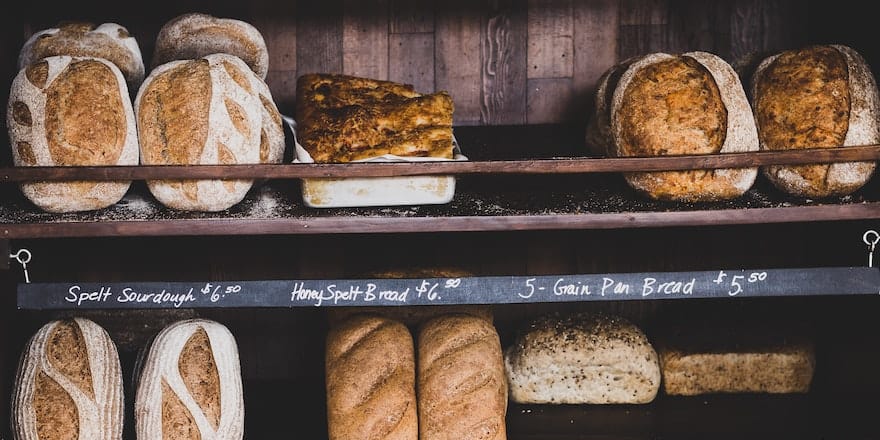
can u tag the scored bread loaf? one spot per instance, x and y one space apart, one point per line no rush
191 36
190 387
69 385
817 97
208 111
109 41
461 385
582 358
661 104
370 380
72 111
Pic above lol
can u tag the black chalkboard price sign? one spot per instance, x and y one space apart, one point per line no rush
471 290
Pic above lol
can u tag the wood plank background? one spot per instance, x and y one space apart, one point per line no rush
503 61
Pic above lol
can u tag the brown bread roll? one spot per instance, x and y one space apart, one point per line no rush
582 358
462 389
71 111
192 36
109 41
662 104
69 385
205 112
817 97
370 380
190 385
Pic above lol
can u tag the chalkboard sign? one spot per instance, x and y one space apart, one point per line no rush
469 290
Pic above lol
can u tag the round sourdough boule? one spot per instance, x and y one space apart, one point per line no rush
200 112
817 97
71 111
664 104
68 385
190 385
191 36
109 41
582 358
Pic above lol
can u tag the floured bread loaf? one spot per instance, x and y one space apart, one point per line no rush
462 390
582 358
190 385
109 41
817 97
208 111
370 380
69 385
70 111
735 358
662 104
192 36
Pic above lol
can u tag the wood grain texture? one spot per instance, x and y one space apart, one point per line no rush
411 16
282 84
550 99
504 56
551 46
411 60
365 39
457 51
276 21
319 37
596 30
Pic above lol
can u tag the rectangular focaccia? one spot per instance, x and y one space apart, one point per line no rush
343 118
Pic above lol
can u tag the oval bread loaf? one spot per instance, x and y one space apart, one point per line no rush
662 104
71 111
582 358
370 380
461 385
207 111
190 385
817 97
69 385
109 41
192 36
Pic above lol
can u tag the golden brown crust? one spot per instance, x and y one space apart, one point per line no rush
67 353
38 74
177 422
199 373
56 415
342 118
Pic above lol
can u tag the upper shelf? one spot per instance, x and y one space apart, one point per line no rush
518 178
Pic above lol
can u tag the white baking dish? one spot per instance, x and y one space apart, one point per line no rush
375 191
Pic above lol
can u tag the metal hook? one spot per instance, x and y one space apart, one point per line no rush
871 238
23 256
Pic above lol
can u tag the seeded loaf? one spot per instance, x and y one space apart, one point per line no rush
461 385
203 112
190 386
661 104
370 380
109 41
69 385
817 97
191 36
72 111
582 358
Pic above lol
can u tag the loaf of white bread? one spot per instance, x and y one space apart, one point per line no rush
71 111
208 111
109 41
189 386
461 386
191 36
817 97
370 380
582 358
689 104
68 385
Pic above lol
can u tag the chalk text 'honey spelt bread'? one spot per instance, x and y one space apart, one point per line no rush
370 380
109 41
343 118
207 111
69 385
582 358
662 104
461 385
190 385
71 111
191 36
817 97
